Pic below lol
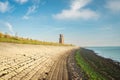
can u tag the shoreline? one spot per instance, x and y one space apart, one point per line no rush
50 55
97 54
108 52
97 66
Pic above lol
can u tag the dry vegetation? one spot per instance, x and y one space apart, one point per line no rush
20 40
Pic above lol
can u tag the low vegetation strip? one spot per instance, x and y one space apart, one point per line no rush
92 74
97 67
16 39
74 71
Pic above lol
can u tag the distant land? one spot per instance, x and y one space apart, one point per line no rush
20 40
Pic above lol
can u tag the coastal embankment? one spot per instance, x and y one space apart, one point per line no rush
33 62
97 67
46 62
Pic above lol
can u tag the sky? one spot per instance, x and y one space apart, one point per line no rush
82 22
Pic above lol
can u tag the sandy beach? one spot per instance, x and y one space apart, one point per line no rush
25 62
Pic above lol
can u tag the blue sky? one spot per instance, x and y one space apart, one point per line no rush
83 22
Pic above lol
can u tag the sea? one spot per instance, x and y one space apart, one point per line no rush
107 52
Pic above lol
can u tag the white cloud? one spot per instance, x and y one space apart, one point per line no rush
113 5
77 4
9 26
25 17
77 11
32 9
4 7
76 14
21 1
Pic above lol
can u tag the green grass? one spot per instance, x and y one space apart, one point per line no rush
97 67
12 39
92 74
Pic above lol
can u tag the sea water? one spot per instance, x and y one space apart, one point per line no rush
107 52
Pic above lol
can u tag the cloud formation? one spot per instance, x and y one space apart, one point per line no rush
9 26
21 1
4 6
77 11
113 5
32 9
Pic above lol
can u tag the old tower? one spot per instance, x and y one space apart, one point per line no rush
61 39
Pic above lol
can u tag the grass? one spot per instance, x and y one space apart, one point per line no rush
92 74
97 67
19 40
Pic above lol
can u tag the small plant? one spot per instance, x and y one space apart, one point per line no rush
1 35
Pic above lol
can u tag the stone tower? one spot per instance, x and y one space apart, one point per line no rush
61 39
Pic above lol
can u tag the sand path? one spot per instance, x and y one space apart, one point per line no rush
33 62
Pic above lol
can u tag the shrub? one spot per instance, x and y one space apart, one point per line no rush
1 35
